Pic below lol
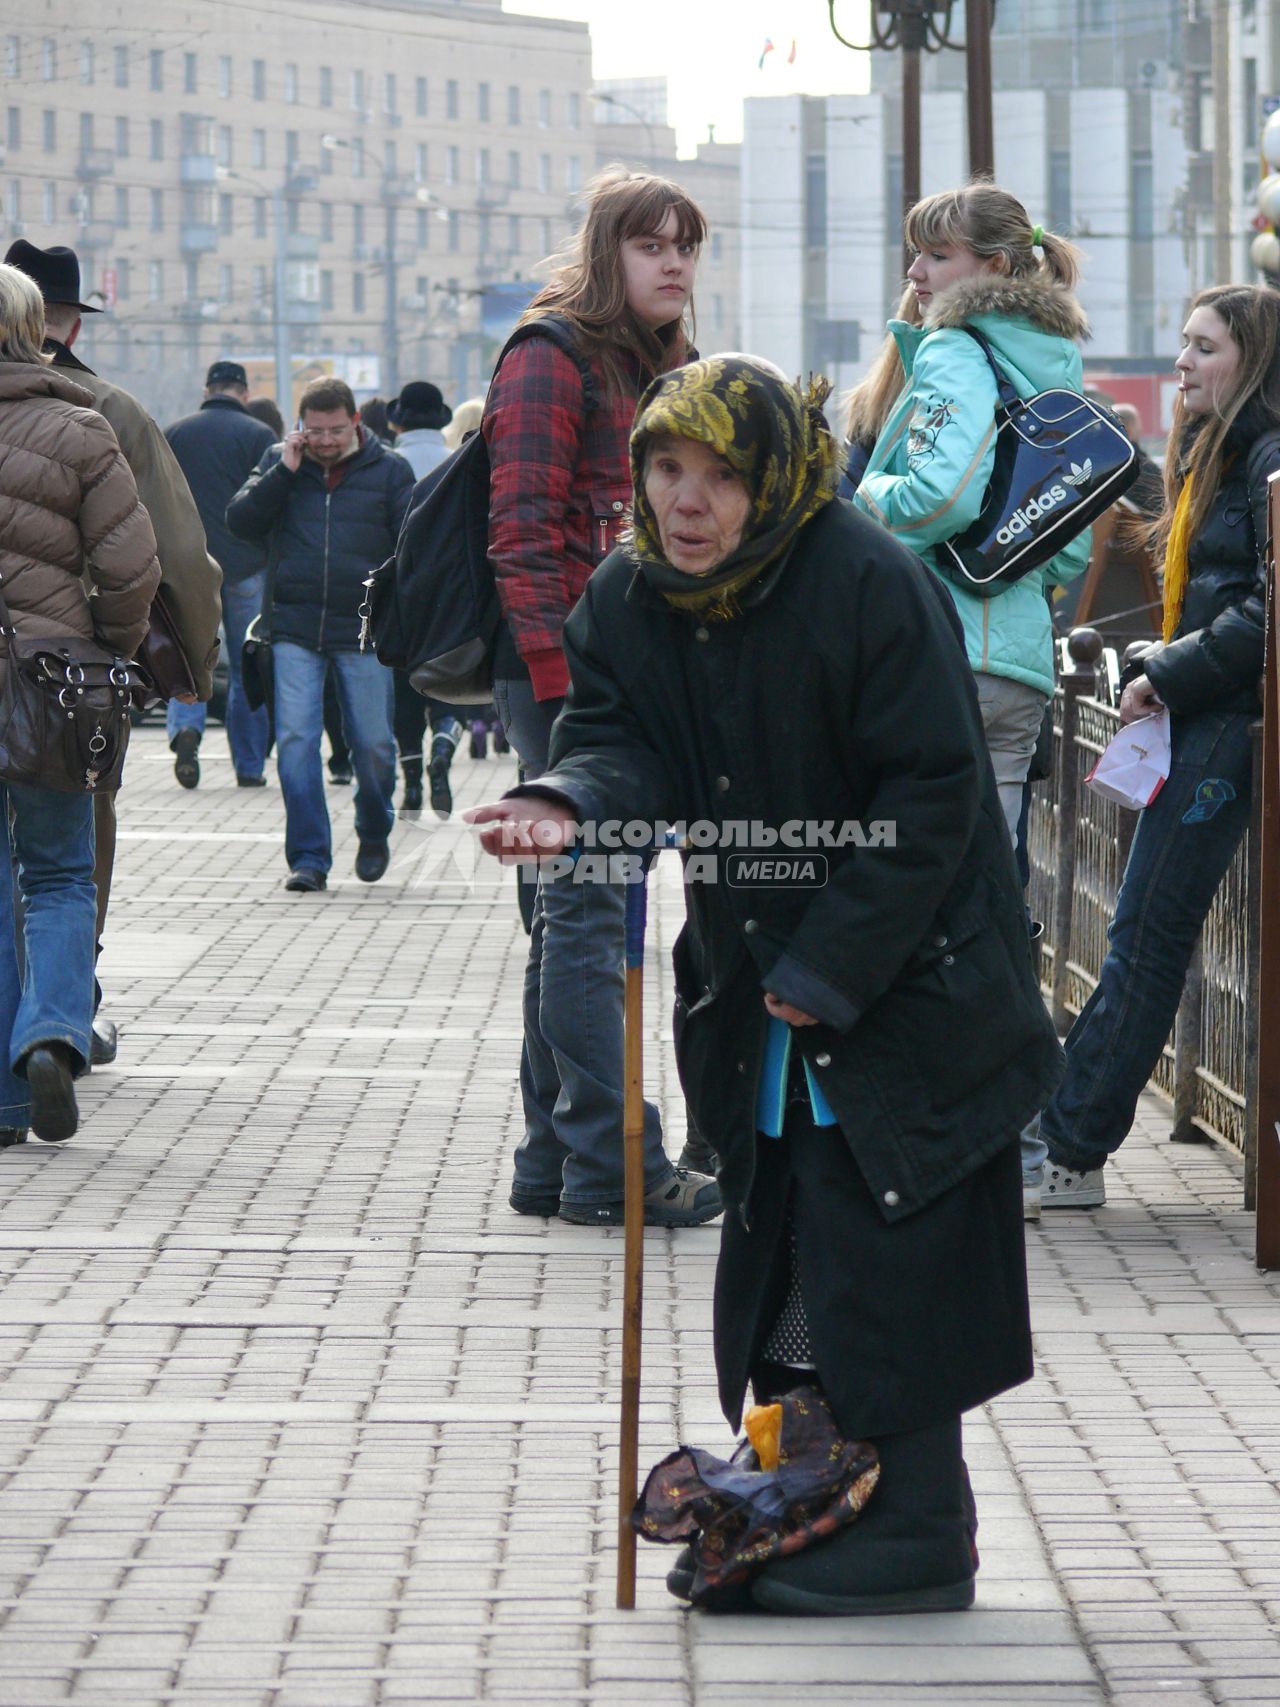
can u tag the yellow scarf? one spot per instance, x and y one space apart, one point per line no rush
1176 559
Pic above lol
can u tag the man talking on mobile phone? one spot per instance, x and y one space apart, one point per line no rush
329 502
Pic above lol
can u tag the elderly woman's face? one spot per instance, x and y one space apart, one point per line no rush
698 501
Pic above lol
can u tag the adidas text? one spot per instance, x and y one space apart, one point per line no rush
1022 518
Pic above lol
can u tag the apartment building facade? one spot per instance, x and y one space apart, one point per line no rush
384 169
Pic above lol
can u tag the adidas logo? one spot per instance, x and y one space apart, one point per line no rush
1032 511
1080 476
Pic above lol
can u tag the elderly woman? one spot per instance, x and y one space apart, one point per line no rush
71 514
861 1045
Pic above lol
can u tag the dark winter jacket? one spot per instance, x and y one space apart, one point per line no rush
326 531
218 448
841 694
1214 661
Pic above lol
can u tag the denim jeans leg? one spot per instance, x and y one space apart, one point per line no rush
15 1102
571 1066
365 689
1183 845
248 731
53 838
299 687
178 716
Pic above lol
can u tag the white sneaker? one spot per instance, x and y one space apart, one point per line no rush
1063 1189
1030 1202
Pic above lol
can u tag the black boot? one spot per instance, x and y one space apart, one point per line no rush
479 738
412 769
442 751
910 1550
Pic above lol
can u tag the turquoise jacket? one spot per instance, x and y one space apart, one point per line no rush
929 471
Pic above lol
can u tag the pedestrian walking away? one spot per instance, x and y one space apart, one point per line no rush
72 512
329 501
560 488
189 576
762 653
1205 675
925 417
217 449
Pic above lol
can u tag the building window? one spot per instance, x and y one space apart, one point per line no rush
390 160
157 68
86 62
226 215
326 85
122 138
49 130
389 92
513 233
482 166
357 157
124 282
357 292
484 232
258 287
226 145
451 99
258 148
191 280
451 158
455 231
420 162
224 76
156 131
575 112
326 288
544 108
357 91
513 168
544 171
293 217
420 97
326 222
546 244
12 56
259 79
156 221
14 204
122 204
423 232
482 103
155 281
226 283
716 246
13 128
190 73
50 201
259 216
291 85
513 103
122 67
357 224
86 131
290 150
48 59
573 172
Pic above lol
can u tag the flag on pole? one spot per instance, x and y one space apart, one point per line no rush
764 53
791 57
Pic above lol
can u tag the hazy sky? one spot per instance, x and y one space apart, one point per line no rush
709 50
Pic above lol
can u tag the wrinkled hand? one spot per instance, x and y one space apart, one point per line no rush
783 1010
294 445
524 829
1139 699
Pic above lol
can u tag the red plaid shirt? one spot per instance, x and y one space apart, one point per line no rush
559 491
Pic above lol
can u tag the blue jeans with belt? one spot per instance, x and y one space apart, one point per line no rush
248 732
571 1063
1184 843
47 841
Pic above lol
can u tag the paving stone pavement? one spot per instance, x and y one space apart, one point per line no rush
297 1413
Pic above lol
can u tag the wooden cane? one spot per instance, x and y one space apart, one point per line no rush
633 1243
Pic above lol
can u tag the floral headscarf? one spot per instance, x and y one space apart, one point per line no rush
775 439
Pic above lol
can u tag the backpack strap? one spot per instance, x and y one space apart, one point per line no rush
558 330
1009 398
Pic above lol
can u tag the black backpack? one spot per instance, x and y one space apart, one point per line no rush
433 609
1061 460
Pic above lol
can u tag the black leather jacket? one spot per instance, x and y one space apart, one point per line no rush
1214 661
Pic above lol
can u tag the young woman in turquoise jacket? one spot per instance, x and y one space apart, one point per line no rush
927 410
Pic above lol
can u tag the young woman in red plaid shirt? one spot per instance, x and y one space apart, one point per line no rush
559 492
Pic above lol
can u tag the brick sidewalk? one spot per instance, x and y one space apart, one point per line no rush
297 1413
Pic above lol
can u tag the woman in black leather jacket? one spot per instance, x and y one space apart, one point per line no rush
1224 444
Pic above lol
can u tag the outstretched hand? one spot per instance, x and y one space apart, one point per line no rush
523 829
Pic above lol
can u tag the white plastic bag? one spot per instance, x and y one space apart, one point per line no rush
1135 766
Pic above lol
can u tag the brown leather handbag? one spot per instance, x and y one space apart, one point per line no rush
64 712
161 657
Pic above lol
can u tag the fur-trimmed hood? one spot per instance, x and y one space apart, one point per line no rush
1049 308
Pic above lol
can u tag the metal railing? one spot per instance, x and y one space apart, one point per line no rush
1077 845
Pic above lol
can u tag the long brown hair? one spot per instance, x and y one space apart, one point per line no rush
1251 315
995 226
587 285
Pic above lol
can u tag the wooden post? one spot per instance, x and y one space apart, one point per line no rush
1253 953
1267 1008
633 1243
1084 649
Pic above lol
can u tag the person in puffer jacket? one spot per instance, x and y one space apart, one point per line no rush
931 402
1206 675
71 510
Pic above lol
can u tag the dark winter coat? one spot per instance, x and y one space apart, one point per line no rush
218 448
326 533
1214 661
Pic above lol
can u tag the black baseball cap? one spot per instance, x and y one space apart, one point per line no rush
227 373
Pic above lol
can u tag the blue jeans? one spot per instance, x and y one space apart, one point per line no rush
571 1063
1184 843
248 732
50 841
364 689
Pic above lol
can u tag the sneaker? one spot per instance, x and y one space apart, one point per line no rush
340 775
479 739
1030 1202
185 747
529 1203
372 860
697 1156
304 881
1064 1189
681 1200
54 1116
11 1135
438 774
500 742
